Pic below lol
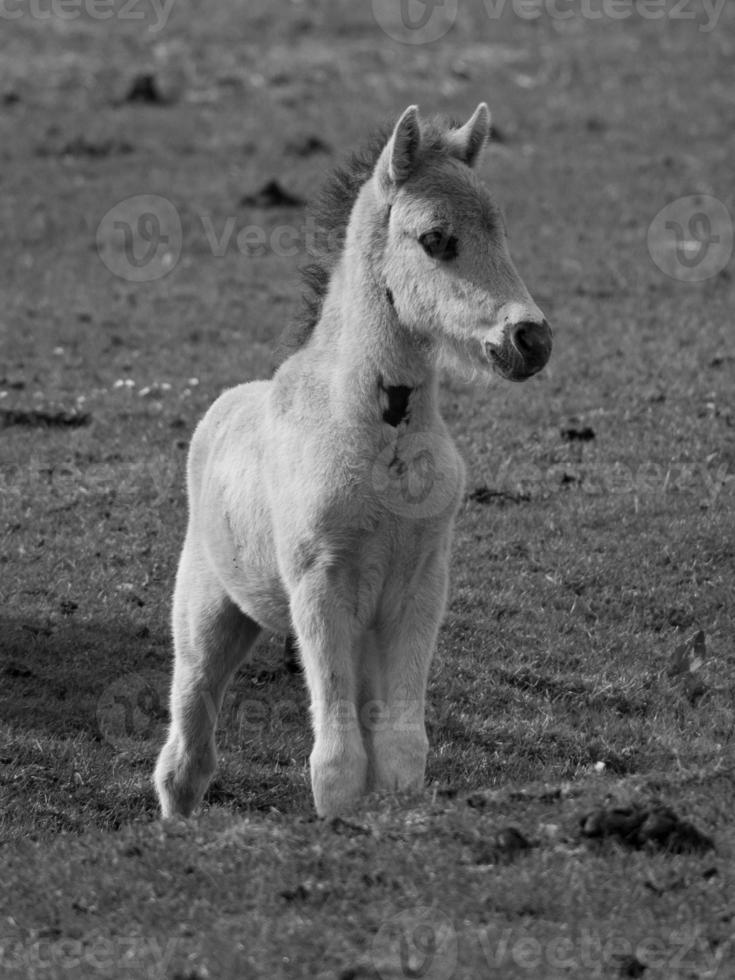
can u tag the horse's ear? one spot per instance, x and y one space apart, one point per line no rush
471 138
403 146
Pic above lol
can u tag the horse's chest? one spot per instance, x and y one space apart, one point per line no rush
416 489
392 564
418 479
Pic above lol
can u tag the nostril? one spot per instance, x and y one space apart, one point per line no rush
526 337
532 341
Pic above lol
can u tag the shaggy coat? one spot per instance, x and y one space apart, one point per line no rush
321 502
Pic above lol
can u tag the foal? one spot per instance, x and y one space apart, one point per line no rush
303 510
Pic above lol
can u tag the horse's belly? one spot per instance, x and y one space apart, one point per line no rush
264 600
249 575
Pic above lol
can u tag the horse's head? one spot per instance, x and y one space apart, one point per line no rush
446 261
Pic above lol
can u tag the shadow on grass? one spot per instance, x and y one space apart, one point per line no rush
84 712
54 673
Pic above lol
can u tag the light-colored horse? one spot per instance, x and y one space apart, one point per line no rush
321 502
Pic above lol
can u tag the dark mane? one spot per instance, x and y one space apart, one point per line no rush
328 216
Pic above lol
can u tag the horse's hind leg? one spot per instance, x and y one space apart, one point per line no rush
211 638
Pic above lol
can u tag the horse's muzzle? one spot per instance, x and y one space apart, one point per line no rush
524 350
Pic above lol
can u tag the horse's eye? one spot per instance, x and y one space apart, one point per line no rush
439 244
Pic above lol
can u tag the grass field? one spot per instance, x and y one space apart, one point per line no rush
596 539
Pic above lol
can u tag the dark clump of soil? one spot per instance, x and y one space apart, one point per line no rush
653 826
487 495
82 146
578 434
631 966
272 195
17 670
307 146
503 847
38 418
145 88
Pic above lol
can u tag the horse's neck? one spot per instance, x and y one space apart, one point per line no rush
371 352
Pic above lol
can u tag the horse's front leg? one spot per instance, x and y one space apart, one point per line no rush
328 632
396 671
